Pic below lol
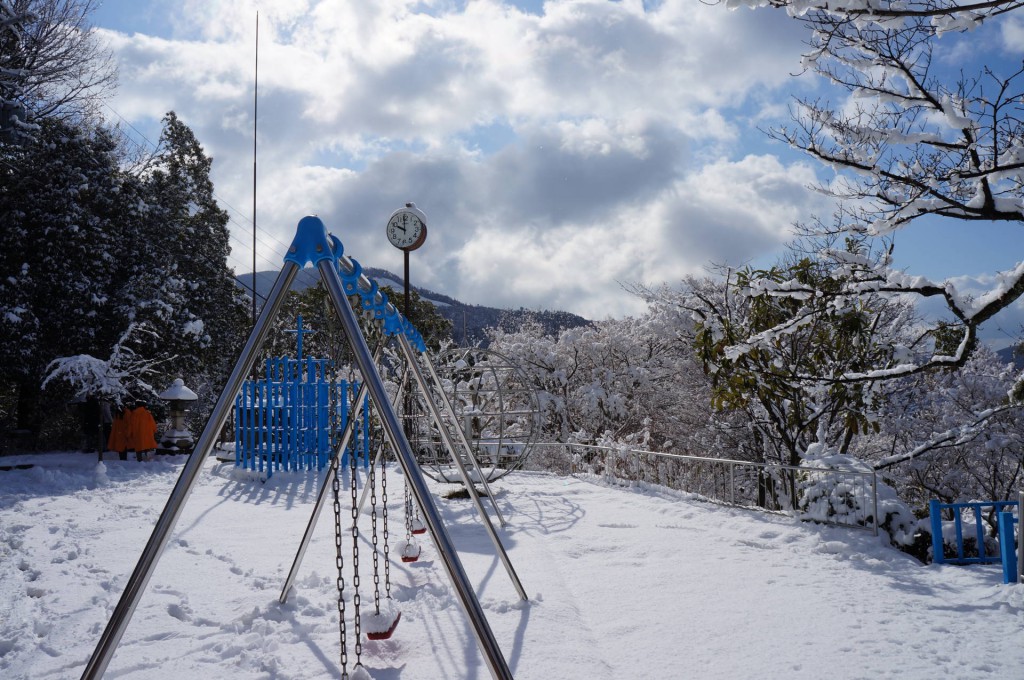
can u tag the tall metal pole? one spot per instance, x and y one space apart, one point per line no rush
407 296
485 639
255 118
183 487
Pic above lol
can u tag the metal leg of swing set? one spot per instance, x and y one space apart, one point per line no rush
459 465
462 436
485 639
136 585
321 497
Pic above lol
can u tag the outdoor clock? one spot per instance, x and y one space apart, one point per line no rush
407 228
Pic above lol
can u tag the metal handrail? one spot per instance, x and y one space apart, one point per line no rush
732 464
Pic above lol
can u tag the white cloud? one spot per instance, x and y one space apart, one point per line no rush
1013 34
555 154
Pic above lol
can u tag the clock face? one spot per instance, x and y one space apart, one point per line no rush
406 230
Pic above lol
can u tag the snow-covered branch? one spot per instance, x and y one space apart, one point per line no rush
945 15
956 436
117 379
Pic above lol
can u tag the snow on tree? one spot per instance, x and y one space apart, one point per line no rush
908 142
625 382
118 379
177 277
775 354
64 203
954 435
92 248
51 64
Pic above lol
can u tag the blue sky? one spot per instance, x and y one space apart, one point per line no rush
558 149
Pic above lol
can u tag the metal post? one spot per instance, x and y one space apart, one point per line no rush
874 498
321 497
417 374
136 585
485 639
1020 537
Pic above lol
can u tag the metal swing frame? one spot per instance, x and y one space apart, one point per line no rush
312 244
414 368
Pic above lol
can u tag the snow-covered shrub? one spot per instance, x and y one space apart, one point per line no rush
826 494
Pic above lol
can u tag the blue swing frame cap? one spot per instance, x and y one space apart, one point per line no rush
312 243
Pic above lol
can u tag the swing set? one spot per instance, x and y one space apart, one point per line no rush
347 289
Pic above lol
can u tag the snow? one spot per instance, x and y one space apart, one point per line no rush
178 391
622 581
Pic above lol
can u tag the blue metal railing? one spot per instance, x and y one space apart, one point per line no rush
935 510
284 421
1008 547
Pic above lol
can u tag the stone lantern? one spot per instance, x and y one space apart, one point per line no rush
176 437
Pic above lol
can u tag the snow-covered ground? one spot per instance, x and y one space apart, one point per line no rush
623 582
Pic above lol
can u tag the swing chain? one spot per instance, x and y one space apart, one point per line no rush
408 513
339 561
372 481
384 515
355 556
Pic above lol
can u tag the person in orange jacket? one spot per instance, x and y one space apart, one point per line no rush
142 431
120 433
133 429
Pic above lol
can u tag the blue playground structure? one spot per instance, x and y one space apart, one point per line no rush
291 418
1010 542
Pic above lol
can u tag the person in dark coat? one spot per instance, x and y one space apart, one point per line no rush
90 414
107 423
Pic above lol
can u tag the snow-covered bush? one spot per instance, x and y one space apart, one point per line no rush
826 494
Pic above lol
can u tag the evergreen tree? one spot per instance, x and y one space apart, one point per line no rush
91 250
60 203
179 281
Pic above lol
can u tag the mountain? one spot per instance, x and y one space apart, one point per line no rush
1013 355
468 321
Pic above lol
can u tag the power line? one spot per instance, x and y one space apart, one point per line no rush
261 236
275 247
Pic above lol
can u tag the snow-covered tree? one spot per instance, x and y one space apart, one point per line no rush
954 435
910 140
775 355
51 64
62 207
175 273
622 381
118 379
91 248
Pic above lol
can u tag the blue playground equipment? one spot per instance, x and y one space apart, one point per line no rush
281 420
290 418
1008 544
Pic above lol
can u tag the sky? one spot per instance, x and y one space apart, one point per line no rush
559 149
621 582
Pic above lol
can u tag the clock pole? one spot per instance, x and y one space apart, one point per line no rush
407 305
